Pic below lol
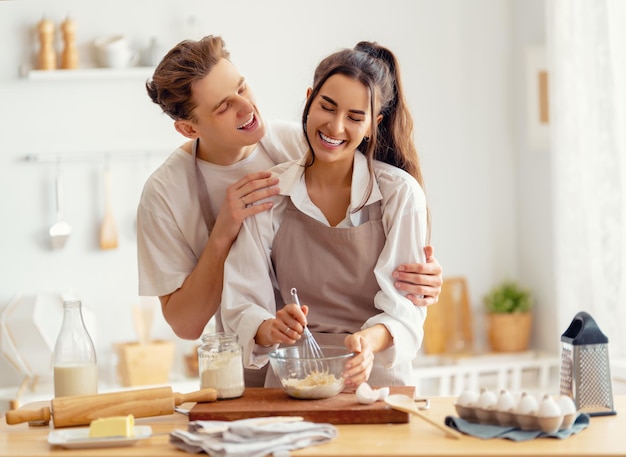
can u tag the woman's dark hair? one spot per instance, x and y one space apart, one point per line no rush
376 67
187 62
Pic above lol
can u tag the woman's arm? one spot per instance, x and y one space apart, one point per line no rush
248 289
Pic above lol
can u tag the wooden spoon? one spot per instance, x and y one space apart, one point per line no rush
108 230
406 404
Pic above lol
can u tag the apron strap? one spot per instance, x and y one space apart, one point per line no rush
203 195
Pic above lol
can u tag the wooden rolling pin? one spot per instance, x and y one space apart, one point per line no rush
82 409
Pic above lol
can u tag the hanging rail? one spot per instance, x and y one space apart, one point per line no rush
65 157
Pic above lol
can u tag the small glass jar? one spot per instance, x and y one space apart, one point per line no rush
220 365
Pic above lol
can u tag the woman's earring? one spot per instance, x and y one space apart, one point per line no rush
366 138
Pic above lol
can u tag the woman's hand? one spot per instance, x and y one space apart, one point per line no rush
287 327
359 367
422 281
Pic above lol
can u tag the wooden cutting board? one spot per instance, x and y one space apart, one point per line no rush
266 402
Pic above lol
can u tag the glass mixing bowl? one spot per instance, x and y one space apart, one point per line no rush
310 378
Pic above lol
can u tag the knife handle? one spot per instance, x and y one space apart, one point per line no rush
207 394
17 416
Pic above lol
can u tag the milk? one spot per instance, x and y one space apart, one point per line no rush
75 379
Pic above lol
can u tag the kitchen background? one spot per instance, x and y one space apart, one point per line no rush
464 66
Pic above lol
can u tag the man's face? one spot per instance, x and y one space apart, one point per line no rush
226 116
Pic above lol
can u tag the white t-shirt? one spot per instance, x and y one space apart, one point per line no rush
171 231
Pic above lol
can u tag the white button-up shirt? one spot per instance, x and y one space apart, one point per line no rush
249 280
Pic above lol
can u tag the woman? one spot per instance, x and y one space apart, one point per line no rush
339 224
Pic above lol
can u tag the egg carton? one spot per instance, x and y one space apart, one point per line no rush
525 411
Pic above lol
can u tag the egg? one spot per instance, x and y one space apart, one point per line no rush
549 407
568 408
506 401
383 393
365 394
527 404
469 398
566 404
549 415
487 399
466 405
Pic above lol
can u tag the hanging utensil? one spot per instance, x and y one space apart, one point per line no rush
108 230
60 230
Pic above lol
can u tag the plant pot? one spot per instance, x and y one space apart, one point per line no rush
509 332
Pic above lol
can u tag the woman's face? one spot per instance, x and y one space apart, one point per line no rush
339 118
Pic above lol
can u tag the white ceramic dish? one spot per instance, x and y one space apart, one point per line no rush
78 438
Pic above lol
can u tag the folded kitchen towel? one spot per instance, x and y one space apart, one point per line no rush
255 437
485 431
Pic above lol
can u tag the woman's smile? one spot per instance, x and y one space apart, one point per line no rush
332 142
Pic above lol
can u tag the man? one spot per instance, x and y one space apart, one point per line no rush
193 205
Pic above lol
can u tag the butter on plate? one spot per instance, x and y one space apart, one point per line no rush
105 427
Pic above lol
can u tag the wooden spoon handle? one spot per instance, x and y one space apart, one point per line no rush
17 416
444 428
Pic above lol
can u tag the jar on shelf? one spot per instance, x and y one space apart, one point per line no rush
220 365
74 360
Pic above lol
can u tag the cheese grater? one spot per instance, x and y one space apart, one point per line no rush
585 368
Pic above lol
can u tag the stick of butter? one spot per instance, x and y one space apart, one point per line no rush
112 426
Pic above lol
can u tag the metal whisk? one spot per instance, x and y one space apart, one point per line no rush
310 348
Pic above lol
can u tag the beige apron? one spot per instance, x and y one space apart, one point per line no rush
333 270
252 377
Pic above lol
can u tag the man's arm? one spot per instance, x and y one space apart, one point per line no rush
189 308
422 281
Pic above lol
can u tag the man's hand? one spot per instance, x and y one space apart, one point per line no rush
240 202
422 281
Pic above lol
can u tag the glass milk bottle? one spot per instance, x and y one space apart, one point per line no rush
220 365
75 368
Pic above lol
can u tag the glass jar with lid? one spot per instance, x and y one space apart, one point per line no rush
220 365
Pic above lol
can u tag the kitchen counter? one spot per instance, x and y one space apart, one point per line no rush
604 437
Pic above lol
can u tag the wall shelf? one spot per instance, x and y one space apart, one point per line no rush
86 74
95 156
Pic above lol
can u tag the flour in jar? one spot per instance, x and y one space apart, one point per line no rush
224 373
316 385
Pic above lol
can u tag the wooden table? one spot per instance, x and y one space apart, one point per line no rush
604 437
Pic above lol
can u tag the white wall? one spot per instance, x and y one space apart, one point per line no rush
458 60
534 190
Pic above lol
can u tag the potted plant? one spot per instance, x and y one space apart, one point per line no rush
509 316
